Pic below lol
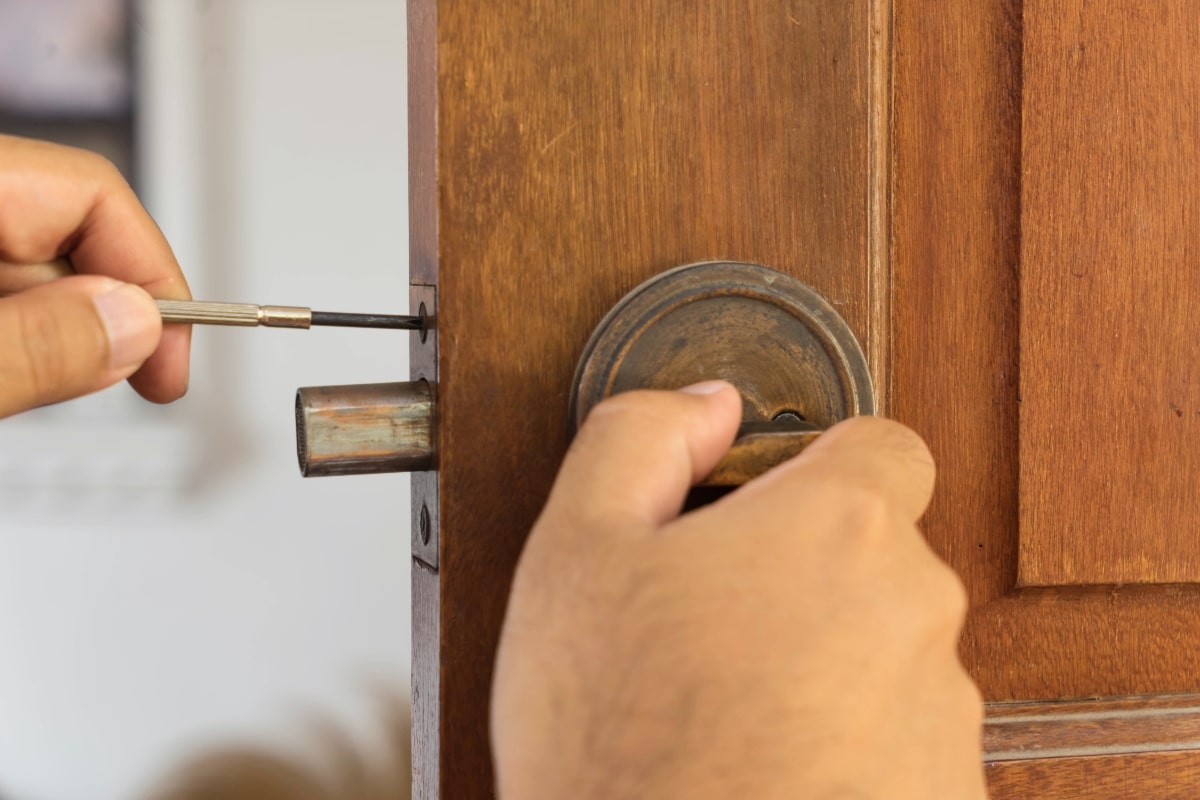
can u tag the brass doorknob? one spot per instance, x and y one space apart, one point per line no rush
794 359
364 428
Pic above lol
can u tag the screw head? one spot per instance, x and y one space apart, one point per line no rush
424 526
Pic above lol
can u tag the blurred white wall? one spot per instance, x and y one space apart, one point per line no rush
219 596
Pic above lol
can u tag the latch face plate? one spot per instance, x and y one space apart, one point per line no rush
780 343
423 366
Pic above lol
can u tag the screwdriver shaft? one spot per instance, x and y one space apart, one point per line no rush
250 315
395 321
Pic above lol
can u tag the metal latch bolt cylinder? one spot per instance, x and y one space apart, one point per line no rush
364 428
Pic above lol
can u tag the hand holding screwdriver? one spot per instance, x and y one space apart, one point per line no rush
62 337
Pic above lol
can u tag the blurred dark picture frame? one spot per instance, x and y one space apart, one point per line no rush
68 75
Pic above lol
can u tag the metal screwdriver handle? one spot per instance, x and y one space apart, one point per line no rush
209 313
246 314
251 315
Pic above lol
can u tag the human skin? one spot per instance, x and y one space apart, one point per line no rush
795 639
65 337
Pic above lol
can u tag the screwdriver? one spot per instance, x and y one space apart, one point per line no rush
250 315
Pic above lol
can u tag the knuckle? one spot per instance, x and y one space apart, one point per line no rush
951 595
109 181
866 517
101 166
972 701
966 700
942 602
884 433
876 539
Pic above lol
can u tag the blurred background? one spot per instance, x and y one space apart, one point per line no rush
168 582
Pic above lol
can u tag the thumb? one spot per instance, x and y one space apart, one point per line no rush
638 453
72 337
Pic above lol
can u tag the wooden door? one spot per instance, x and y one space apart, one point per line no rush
1001 199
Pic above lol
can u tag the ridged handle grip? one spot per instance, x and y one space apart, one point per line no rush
243 314
208 313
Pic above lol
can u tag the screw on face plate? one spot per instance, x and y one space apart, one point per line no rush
424 526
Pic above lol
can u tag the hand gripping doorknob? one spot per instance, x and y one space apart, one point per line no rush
792 357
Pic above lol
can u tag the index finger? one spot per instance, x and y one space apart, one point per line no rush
875 455
60 202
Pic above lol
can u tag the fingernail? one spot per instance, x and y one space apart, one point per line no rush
707 387
128 314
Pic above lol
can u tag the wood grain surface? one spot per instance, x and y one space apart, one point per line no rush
1145 747
1017 731
562 153
955 294
957 361
565 152
1110 288
1146 776
960 370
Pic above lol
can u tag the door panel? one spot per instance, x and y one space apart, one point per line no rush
561 153
984 248
989 216
1110 335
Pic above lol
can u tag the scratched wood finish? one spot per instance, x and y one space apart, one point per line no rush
1143 747
1145 776
1021 731
961 302
1110 287
561 154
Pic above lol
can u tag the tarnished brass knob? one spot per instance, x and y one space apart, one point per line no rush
793 358
364 428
